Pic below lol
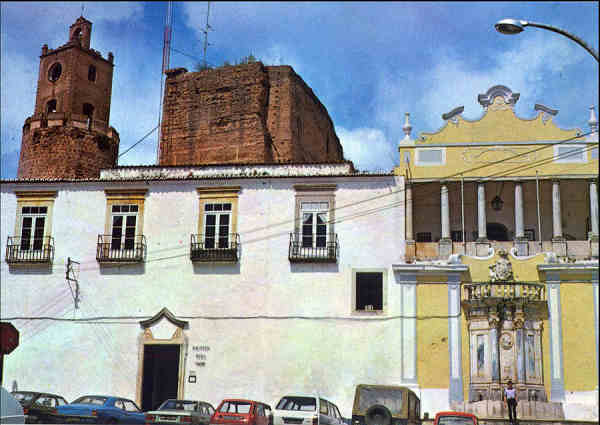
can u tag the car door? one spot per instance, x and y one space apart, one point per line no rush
323 412
133 414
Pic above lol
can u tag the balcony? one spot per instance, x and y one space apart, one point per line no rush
504 291
30 250
222 248
311 252
121 250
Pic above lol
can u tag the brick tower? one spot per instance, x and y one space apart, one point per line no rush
68 136
247 113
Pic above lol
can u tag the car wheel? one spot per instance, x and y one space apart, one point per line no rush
378 415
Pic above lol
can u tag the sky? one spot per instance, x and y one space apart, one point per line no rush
369 63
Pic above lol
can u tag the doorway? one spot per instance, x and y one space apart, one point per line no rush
497 232
160 374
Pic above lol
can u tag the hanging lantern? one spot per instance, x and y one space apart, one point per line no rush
497 203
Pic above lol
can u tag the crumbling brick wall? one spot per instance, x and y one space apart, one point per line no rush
244 114
65 152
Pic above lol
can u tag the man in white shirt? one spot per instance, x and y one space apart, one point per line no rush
510 401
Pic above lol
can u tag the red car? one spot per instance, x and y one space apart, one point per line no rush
242 412
455 418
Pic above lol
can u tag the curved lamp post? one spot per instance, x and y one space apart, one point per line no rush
514 26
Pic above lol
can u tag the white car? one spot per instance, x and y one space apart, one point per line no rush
306 410
11 411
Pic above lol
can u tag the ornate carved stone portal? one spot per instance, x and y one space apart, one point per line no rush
505 322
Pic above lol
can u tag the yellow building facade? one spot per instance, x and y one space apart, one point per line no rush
501 232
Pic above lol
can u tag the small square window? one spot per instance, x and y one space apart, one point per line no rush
369 291
423 236
208 207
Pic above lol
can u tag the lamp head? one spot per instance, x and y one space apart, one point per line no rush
510 26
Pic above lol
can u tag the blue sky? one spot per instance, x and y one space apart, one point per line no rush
369 63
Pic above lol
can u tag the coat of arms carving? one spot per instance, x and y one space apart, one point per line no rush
502 270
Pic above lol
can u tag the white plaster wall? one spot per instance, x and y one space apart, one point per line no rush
581 405
434 400
306 340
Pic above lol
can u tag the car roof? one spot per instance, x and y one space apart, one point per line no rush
244 400
36 392
449 413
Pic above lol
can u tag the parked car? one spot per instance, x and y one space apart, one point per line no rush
11 411
385 405
244 412
101 409
455 418
39 407
181 411
306 410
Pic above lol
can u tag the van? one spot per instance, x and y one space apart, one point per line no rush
306 410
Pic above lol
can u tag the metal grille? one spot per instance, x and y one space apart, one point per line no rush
513 290
209 248
111 249
30 250
327 253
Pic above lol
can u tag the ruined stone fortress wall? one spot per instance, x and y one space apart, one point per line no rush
247 113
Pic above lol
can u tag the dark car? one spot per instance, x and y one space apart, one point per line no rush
101 409
181 412
39 407
385 405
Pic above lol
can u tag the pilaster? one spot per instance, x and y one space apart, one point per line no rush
557 386
455 392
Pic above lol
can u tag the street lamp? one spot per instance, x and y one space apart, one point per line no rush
514 26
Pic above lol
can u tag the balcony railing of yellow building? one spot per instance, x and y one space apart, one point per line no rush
481 291
116 249
306 250
29 250
214 248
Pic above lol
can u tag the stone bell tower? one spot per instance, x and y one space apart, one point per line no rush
68 136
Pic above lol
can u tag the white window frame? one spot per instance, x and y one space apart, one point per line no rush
580 158
217 237
315 208
419 161
33 236
123 236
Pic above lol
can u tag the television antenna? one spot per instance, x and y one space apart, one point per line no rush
205 31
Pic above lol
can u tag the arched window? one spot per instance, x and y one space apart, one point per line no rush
77 33
92 73
51 106
54 72
88 110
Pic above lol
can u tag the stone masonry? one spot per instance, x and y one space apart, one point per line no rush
68 136
247 113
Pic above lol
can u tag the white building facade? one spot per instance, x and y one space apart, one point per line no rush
208 282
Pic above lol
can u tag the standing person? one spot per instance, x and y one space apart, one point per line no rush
510 401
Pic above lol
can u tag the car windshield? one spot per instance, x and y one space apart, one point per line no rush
388 397
186 405
90 399
308 404
454 420
235 407
24 396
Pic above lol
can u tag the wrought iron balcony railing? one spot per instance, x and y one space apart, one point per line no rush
504 290
114 249
310 250
29 250
214 248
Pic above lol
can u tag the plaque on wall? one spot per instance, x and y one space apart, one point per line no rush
506 341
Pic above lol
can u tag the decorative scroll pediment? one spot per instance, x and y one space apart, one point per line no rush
163 314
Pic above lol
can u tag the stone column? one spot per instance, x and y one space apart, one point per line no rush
559 245
446 241
593 236
521 243
557 386
482 245
454 340
410 238
409 328
481 219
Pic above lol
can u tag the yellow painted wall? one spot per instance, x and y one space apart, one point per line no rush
433 366
499 124
579 338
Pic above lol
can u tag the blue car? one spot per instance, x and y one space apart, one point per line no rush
100 409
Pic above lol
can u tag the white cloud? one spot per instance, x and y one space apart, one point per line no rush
367 148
